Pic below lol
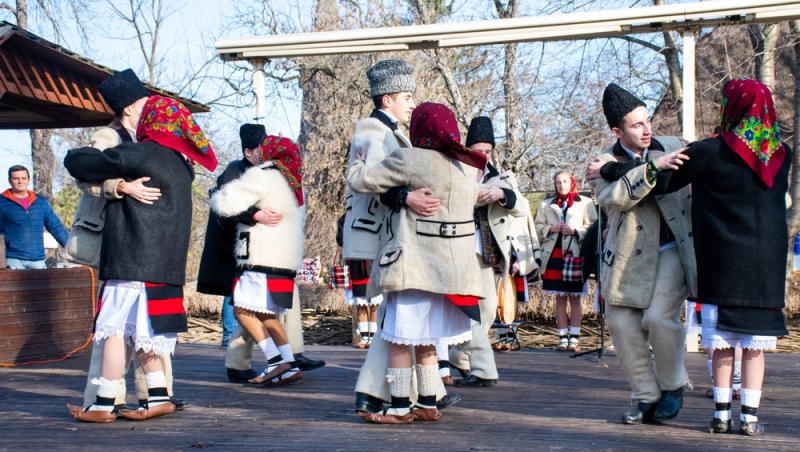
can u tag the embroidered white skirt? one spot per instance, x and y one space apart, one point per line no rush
123 313
714 339
250 293
416 317
351 299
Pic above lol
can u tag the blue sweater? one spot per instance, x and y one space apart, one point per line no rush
24 229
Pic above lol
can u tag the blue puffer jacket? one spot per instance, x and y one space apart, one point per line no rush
24 229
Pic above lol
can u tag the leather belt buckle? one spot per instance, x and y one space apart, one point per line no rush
446 229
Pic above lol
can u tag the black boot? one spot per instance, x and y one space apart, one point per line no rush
306 364
366 403
670 405
642 414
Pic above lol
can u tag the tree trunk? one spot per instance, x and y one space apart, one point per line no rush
44 162
670 52
793 217
765 41
510 91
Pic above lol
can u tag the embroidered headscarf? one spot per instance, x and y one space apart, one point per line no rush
170 124
570 196
287 158
434 126
750 127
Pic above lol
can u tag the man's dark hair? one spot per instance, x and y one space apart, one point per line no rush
378 100
16 168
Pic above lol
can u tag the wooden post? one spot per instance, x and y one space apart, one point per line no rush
2 251
258 89
688 84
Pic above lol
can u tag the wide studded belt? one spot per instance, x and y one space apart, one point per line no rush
446 229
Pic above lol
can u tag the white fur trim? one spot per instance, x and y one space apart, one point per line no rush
279 246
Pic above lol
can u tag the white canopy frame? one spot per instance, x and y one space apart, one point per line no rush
686 18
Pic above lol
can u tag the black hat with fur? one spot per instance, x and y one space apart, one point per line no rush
618 102
252 135
480 131
121 89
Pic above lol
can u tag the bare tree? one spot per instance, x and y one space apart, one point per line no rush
765 40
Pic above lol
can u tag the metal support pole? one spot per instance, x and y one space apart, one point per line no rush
688 85
259 89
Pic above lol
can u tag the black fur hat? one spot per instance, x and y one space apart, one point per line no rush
480 131
617 102
122 89
252 135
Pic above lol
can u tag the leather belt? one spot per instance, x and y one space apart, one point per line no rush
446 230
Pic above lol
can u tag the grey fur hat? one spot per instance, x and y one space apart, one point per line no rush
390 76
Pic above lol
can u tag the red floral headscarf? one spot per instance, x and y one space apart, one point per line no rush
286 155
434 126
750 127
570 196
170 124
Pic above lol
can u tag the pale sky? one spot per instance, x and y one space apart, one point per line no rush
189 31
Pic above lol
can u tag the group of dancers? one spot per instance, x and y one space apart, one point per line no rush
433 233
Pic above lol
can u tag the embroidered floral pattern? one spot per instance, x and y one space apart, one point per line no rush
286 155
170 124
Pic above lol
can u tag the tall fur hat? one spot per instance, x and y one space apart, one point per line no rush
121 89
618 102
480 131
390 76
252 135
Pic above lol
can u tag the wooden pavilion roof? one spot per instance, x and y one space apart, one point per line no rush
43 85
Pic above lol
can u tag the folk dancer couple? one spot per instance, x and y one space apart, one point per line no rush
736 210
422 246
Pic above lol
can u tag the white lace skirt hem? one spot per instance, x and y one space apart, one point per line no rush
251 294
415 317
715 339
123 313
351 300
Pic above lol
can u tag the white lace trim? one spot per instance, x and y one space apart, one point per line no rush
137 285
261 309
564 294
746 342
159 344
449 341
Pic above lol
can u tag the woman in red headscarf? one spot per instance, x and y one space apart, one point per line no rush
739 182
561 223
267 257
143 253
427 268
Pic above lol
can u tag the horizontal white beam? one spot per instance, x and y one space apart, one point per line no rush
540 28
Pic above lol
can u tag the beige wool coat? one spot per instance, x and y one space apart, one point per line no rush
365 217
579 217
510 227
435 254
85 236
630 255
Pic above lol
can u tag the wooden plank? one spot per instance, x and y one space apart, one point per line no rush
544 401
24 69
9 323
70 331
34 67
21 87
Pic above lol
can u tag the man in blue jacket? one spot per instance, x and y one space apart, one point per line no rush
23 217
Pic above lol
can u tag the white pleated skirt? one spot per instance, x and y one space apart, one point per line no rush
250 293
714 339
416 317
123 313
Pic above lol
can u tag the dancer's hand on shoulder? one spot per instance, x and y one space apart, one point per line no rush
592 171
672 160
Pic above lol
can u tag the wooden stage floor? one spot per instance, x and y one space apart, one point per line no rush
544 401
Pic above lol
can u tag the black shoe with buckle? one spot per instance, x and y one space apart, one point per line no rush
306 364
642 414
448 400
241 376
366 403
464 373
474 381
669 405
